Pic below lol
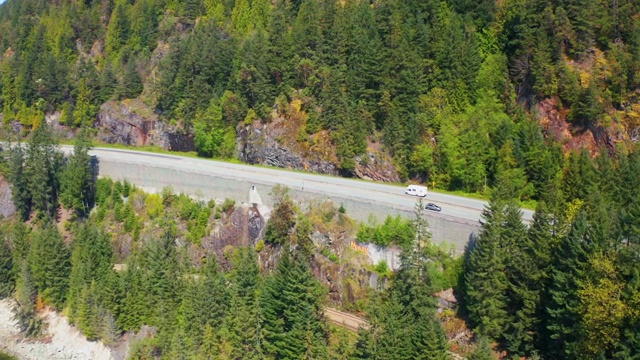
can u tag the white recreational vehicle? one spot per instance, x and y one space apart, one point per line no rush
416 190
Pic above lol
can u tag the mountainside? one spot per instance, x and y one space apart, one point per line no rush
448 92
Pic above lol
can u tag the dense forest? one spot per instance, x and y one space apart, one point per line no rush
566 286
163 284
449 88
452 91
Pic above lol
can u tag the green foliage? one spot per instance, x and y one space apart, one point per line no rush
7 272
482 351
282 219
289 333
382 268
154 205
26 315
228 205
214 138
15 175
91 263
260 245
49 263
487 304
197 227
104 187
77 181
394 231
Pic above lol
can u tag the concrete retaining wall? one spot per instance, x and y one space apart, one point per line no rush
445 229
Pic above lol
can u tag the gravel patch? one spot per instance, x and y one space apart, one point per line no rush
62 342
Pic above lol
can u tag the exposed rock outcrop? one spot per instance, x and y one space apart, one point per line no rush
7 208
376 166
131 122
258 145
275 144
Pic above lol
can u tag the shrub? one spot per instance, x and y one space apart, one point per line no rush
382 268
168 196
342 209
187 208
198 227
103 191
281 221
260 246
394 231
228 205
154 206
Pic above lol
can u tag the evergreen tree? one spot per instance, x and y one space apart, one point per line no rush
525 278
485 281
282 220
135 307
19 183
243 328
26 315
204 303
91 263
561 313
118 30
482 351
7 272
160 279
130 85
293 326
49 263
77 179
42 170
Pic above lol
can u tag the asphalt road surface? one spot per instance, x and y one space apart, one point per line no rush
379 193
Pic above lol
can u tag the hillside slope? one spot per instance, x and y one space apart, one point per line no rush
451 93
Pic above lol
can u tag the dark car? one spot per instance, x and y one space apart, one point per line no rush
432 207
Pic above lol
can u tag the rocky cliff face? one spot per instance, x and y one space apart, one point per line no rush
258 145
278 144
131 122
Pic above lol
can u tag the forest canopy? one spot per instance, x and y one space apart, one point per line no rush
453 90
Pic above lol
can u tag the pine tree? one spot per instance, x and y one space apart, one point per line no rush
135 309
204 302
25 311
88 314
84 112
561 314
19 182
365 345
91 261
42 170
7 280
482 351
485 279
628 179
395 338
293 326
77 179
243 328
118 30
161 267
429 341
130 85
525 280
49 263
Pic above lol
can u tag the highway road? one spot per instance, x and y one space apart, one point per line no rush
372 192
